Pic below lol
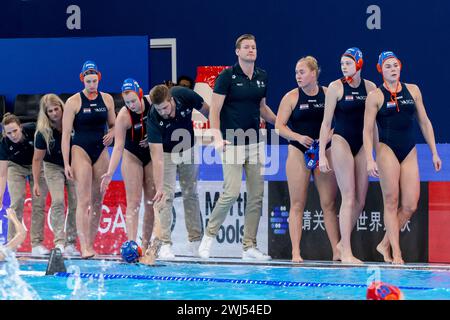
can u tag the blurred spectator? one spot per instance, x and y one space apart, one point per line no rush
185 81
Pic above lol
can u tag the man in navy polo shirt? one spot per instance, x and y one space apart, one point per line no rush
171 138
237 103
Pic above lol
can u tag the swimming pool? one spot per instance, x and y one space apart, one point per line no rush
190 279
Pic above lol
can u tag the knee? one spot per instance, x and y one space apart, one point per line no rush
297 207
328 204
230 195
83 202
409 208
391 201
348 201
190 193
57 200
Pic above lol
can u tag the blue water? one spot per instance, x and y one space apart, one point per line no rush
423 284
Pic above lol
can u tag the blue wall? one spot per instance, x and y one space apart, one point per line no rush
42 65
285 31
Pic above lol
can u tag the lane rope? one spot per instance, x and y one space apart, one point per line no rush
235 281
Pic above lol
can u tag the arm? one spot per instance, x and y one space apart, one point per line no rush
214 119
120 131
204 109
425 125
331 98
70 109
38 157
284 113
267 113
372 104
370 87
21 233
157 155
3 179
109 101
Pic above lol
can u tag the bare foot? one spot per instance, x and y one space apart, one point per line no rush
350 259
385 252
297 259
88 254
398 260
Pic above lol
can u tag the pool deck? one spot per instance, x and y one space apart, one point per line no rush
271 263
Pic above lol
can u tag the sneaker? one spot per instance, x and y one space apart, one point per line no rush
40 251
70 250
193 248
255 254
205 247
60 247
165 252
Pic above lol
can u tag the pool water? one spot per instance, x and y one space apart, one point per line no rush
200 281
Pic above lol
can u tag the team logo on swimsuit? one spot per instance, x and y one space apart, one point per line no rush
11 148
86 110
319 105
407 101
93 105
233 76
183 114
390 104
137 126
304 106
349 98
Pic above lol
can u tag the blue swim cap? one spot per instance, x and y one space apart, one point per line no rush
356 55
130 85
383 57
89 65
130 251
312 156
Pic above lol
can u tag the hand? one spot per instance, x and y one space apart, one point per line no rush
108 138
372 169
323 164
106 179
68 172
36 190
143 143
11 214
158 199
305 140
220 144
437 162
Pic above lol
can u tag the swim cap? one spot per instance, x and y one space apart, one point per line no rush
312 156
132 85
383 291
356 55
383 57
130 251
87 66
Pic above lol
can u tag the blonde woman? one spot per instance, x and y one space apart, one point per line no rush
303 107
47 149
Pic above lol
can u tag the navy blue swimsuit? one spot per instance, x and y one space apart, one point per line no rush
306 118
396 128
90 125
349 115
138 132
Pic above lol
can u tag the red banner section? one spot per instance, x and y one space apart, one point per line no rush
111 232
439 222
